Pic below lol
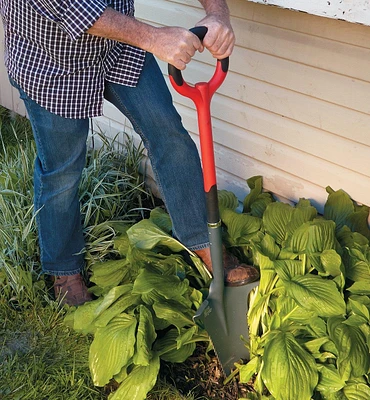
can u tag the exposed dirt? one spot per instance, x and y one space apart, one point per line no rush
201 375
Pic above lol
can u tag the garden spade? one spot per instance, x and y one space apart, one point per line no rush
224 313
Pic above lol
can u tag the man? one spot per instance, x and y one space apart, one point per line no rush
65 57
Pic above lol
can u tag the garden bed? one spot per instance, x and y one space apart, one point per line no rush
308 318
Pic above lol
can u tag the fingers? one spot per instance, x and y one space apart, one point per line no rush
220 38
176 46
220 43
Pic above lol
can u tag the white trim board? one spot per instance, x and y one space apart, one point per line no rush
357 11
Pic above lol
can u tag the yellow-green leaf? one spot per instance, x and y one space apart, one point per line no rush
248 370
316 294
145 337
288 371
357 391
112 348
138 382
329 379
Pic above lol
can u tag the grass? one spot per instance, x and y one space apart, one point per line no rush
40 358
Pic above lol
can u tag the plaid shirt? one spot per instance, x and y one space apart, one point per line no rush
61 67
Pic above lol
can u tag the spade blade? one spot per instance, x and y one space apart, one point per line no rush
227 340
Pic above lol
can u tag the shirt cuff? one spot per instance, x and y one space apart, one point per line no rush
81 16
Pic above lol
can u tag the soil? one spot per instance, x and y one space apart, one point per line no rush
201 375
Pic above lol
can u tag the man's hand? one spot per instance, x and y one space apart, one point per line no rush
175 46
172 45
220 38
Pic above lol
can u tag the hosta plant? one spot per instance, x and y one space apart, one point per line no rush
146 298
309 316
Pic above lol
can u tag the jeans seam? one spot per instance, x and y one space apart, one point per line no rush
37 206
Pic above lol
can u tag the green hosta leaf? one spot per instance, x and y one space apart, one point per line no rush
161 219
357 391
290 311
288 371
357 253
139 382
121 244
275 220
255 186
331 262
248 370
121 375
353 353
120 227
358 306
359 271
321 236
338 207
347 238
168 286
145 337
121 305
258 207
287 269
316 294
356 320
85 315
329 379
313 237
317 327
357 221
269 248
196 298
167 347
146 235
114 294
333 396
186 336
174 313
314 346
109 273
256 202
341 209
112 348
303 212
171 264
227 199
151 297
240 227
360 288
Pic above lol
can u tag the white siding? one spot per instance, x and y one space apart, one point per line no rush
295 105
9 97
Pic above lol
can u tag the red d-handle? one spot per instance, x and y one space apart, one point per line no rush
201 94
215 82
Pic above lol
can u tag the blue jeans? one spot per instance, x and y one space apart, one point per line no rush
61 152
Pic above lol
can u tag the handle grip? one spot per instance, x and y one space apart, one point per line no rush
175 73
